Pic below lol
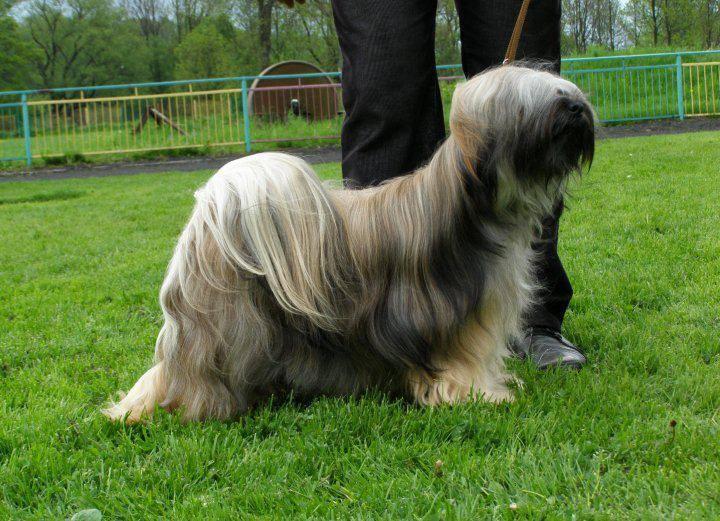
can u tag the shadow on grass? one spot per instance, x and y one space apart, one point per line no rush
57 195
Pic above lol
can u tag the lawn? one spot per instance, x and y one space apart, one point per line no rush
635 434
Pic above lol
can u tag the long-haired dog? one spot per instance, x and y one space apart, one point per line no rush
414 287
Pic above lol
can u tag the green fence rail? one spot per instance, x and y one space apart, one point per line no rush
132 119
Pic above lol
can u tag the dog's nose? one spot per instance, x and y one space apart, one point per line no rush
575 107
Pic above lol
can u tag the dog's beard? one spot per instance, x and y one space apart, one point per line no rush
529 142
573 140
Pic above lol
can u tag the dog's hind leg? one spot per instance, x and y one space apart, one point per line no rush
192 346
185 377
141 400
263 227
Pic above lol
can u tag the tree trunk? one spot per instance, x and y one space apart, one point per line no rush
708 39
653 15
265 30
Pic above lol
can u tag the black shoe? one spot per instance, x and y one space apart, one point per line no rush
548 348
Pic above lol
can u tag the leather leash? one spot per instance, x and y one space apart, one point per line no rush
517 32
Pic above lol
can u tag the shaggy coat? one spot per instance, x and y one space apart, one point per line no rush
415 286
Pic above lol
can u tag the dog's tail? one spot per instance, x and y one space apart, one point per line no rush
268 215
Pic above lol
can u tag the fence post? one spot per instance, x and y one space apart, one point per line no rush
246 116
26 129
680 93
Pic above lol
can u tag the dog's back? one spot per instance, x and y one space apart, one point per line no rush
271 217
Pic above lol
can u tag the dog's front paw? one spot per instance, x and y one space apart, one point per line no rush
495 389
498 395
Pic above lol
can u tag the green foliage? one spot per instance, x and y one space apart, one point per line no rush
172 153
307 32
68 158
634 435
447 33
52 43
634 24
206 52
160 58
85 42
16 56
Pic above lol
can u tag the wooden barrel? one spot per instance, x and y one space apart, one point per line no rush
280 98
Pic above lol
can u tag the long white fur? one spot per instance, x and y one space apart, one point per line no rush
270 254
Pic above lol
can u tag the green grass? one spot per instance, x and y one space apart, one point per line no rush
81 262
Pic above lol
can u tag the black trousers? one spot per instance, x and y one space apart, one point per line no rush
394 114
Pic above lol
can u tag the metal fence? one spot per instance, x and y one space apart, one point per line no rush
632 93
199 114
131 120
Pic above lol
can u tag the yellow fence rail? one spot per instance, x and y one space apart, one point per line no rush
126 124
702 88
232 118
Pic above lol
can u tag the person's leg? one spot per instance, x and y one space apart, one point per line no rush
485 29
394 118
486 26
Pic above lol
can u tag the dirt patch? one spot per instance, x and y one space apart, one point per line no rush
661 126
321 155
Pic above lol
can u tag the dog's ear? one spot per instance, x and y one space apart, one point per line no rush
466 137
468 125
459 124
472 144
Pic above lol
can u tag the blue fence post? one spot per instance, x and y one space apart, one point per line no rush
26 129
680 93
246 117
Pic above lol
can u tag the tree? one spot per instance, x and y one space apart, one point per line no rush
655 20
84 42
319 29
577 22
205 53
709 13
149 14
153 20
632 21
188 14
667 17
16 52
605 22
447 33
265 9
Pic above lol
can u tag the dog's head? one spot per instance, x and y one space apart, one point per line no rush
532 126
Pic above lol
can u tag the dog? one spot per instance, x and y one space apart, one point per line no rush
414 287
